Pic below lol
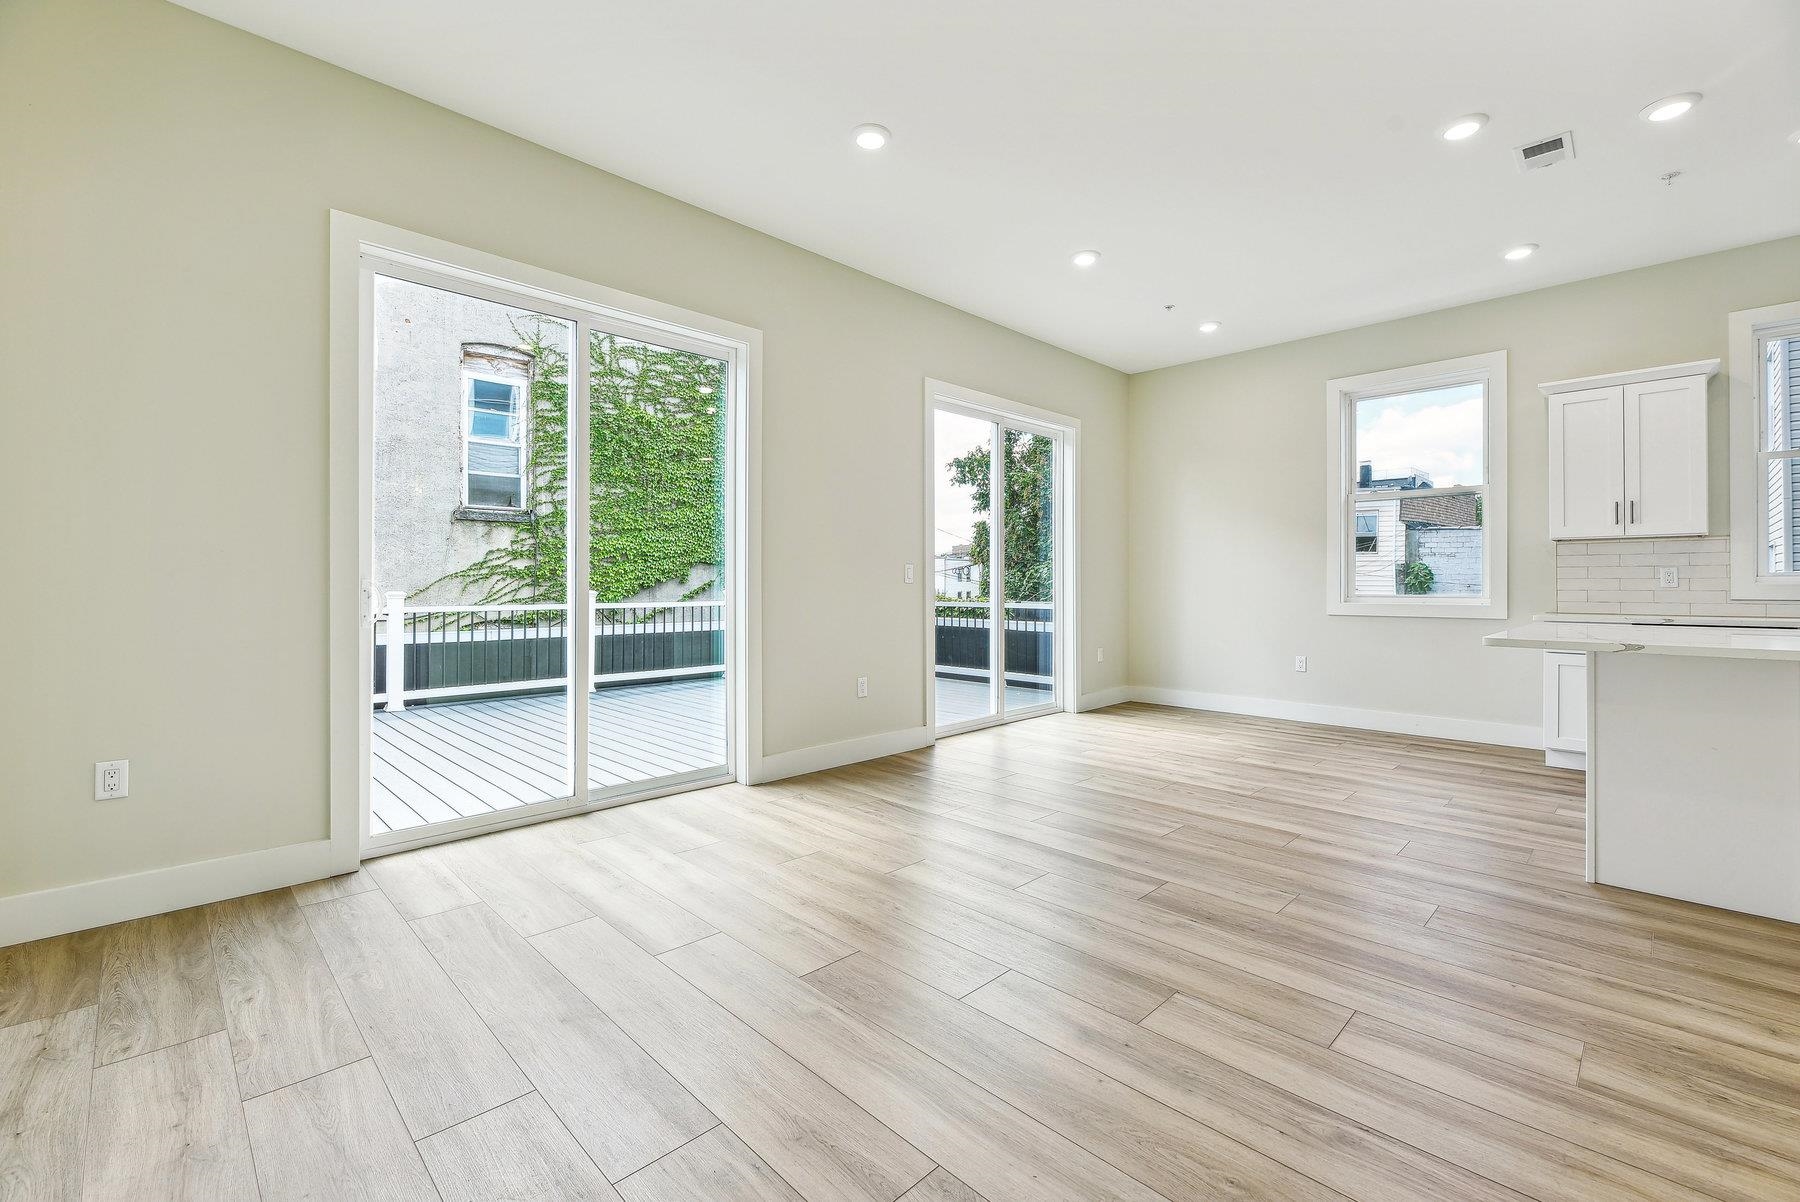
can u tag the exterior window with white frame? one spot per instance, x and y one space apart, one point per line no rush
1765 453
493 441
1417 504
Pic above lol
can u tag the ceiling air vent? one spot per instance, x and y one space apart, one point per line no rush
1546 152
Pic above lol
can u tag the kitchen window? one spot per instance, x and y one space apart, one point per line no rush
1765 453
1416 512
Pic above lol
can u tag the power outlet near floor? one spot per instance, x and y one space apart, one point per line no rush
1299 663
862 686
112 779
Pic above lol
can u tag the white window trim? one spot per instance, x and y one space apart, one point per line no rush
522 389
1749 329
1489 370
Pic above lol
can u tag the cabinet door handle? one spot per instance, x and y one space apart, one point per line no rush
1634 513
1616 521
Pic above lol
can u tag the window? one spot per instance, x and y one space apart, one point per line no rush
494 442
1417 505
1765 453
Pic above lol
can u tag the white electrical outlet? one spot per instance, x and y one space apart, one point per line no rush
1100 654
862 686
112 778
1299 663
909 573
1668 578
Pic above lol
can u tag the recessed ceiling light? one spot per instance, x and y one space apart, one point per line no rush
1464 127
1209 327
1524 251
1085 258
871 136
1669 107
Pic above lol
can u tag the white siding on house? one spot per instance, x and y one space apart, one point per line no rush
1375 570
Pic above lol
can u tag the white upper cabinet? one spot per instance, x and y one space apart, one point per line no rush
1628 453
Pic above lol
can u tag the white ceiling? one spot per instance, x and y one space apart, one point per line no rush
1274 164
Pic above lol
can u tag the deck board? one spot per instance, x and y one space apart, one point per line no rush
432 763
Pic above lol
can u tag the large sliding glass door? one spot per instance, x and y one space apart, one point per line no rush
550 600
999 538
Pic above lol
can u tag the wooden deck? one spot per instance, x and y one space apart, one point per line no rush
434 763
964 700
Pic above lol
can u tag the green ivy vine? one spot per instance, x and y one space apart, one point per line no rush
656 453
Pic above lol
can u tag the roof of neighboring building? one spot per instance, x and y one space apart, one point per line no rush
1457 509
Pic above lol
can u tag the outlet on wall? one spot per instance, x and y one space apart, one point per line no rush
1299 663
1100 655
909 573
862 686
112 779
1668 578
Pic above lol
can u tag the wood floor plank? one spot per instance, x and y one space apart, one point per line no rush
518 1152
921 954
168 1125
284 1014
783 938
716 1167
622 1107
336 1135
984 1141
1157 1145
499 870
820 1141
334 886
649 919
45 1066
1534 1163
157 985
1695 1101
1346 1156
419 882
1700 1160
941 1187
49 976
441 1063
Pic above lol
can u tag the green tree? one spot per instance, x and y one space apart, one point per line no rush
656 453
1029 553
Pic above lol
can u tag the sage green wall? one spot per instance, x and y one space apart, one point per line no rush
1227 490
163 265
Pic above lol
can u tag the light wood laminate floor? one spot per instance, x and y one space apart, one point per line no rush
1141 953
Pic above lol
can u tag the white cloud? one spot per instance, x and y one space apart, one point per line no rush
1438 433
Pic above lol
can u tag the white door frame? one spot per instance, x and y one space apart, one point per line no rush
359 249
1066 430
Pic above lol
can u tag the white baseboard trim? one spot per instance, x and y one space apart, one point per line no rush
1565 759
1103 698
836 755
28 916
1468 730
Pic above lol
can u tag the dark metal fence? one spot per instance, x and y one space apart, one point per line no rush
495 650
964 630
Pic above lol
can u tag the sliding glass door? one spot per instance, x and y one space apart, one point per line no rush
549 592
998 536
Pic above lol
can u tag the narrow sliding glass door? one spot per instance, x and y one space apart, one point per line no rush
659 419
998 534
473 704
549 586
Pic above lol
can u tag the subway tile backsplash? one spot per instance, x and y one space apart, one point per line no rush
1611 576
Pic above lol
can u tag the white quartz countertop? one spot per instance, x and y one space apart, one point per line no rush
1724 642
